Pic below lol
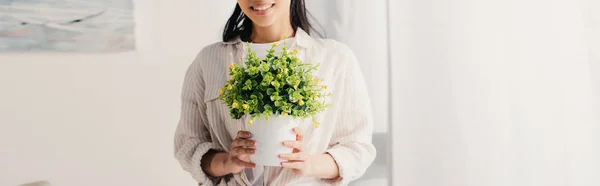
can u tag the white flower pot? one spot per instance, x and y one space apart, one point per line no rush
269 135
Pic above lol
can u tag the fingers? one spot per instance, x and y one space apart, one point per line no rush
299 134
238 151
243 143
242 163
244 134
292 165
293 157
245 158
294 144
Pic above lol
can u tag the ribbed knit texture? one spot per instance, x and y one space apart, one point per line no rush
345 130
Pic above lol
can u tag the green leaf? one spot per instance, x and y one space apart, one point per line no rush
268 108
260 95
248 83
275 98
275 84
270 91
264 67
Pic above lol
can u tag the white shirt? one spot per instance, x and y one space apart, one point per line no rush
345 131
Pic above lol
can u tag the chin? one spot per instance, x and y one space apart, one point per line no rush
263 22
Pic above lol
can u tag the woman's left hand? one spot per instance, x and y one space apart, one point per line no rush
299 159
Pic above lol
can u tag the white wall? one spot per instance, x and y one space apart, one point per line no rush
592 15
492 93
104 119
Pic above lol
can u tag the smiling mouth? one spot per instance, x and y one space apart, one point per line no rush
262 9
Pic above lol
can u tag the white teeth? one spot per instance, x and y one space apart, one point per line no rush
262 7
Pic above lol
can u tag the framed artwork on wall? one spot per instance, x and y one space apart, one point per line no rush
66 25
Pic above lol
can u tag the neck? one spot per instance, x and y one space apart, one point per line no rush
271 33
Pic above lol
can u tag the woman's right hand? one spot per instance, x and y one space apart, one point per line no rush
239 155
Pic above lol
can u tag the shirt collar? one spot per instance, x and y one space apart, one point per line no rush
302 39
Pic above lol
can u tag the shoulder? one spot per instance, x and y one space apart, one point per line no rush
211 62
336 51
211 54
213 50
333 46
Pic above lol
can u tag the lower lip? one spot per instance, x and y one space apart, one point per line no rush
263 12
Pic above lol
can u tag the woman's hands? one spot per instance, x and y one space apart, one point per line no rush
238 157
243 146
298 160
302 163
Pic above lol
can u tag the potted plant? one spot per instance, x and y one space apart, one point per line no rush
274 94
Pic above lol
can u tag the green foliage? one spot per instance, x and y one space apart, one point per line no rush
277 85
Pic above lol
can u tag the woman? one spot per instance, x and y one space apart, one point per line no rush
213 148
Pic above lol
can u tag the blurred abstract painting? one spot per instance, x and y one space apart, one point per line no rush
66 25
